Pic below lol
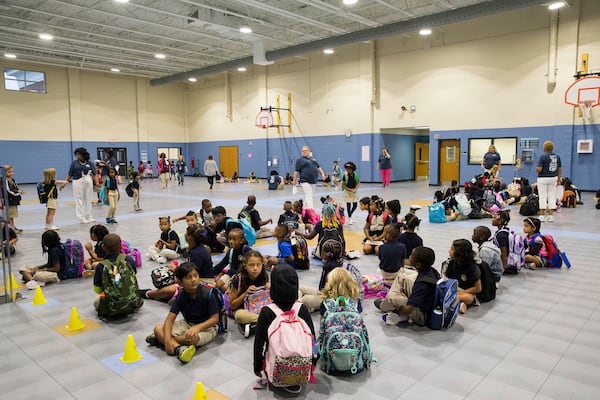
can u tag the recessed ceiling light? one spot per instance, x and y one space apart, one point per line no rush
46 36
425 32
328 51
242 69
556 5
350 2
192 79
245 29
115 70
10 55
121 1
160 56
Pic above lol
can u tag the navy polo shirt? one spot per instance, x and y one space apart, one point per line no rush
193 309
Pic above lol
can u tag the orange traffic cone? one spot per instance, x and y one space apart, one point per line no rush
75 323
130 355
38 297
200 393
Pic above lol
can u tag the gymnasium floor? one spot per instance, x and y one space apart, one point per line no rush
538 340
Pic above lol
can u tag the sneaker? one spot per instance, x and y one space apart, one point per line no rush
152 340
143 293
393 319
350 221
463 308
543 218
33 284
18 230
185 353
113 221
53 228
550 218
294 389
377 303
108 220
88 273
530 266
161 260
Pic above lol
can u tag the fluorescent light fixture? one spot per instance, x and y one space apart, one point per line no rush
10 55
46 36
192 79
556 5
245 29
121 1
160 56
328 51
242 69
350 2
115 70
425 31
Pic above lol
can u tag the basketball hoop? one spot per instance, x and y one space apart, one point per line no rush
585 107
264 119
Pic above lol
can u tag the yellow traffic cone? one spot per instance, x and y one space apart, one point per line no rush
200 393
38 297
13 282
75 323
130 355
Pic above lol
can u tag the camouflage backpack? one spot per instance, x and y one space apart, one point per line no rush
120 295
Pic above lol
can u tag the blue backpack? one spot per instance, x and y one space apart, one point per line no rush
343 338
445 302
74 259
207 292
437 213
249 232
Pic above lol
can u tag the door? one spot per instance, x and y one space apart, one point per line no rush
421 161
120 154
228 160
449 160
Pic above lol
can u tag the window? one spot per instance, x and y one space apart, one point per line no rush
506 147
24 81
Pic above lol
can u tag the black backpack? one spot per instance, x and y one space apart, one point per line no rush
328 233
531 205
129 190
488 284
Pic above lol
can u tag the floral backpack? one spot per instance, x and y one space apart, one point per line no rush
343 338
254 302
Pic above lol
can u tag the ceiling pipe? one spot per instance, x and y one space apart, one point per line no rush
444 18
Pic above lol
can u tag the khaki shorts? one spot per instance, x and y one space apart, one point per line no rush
350 197
52 203
13 211
40 275
204 337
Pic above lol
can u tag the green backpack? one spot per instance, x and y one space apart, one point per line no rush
120 295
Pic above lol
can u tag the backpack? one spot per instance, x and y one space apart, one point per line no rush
161 277
74 259
445 302
249 232
120 294
103 196
343 338
332 233
291 220
531 205
462 203
129 190
355 272
245 215
207 292
437 213
254 302
516 249
374 286
42 194
488 284
129 250
289 355
554 258
569 199
300 252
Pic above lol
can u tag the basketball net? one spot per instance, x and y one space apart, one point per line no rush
585 108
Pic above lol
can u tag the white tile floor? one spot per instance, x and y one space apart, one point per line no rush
538 340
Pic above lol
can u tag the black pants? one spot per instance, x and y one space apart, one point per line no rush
211 180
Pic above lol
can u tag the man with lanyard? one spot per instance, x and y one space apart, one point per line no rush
307 172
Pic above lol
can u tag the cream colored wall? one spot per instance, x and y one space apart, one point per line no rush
486 73
86 106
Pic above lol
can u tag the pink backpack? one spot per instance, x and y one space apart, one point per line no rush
313 217
288 360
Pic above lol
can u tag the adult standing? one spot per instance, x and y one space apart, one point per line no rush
210 170
306 172
84 177
549 169
385 166
163 169
181 169
491 158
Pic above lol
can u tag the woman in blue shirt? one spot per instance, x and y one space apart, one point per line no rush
549 169
83 175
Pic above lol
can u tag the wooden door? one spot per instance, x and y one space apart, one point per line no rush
449 160
421 160
228 160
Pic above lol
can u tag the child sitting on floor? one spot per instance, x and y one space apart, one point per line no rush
96 252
